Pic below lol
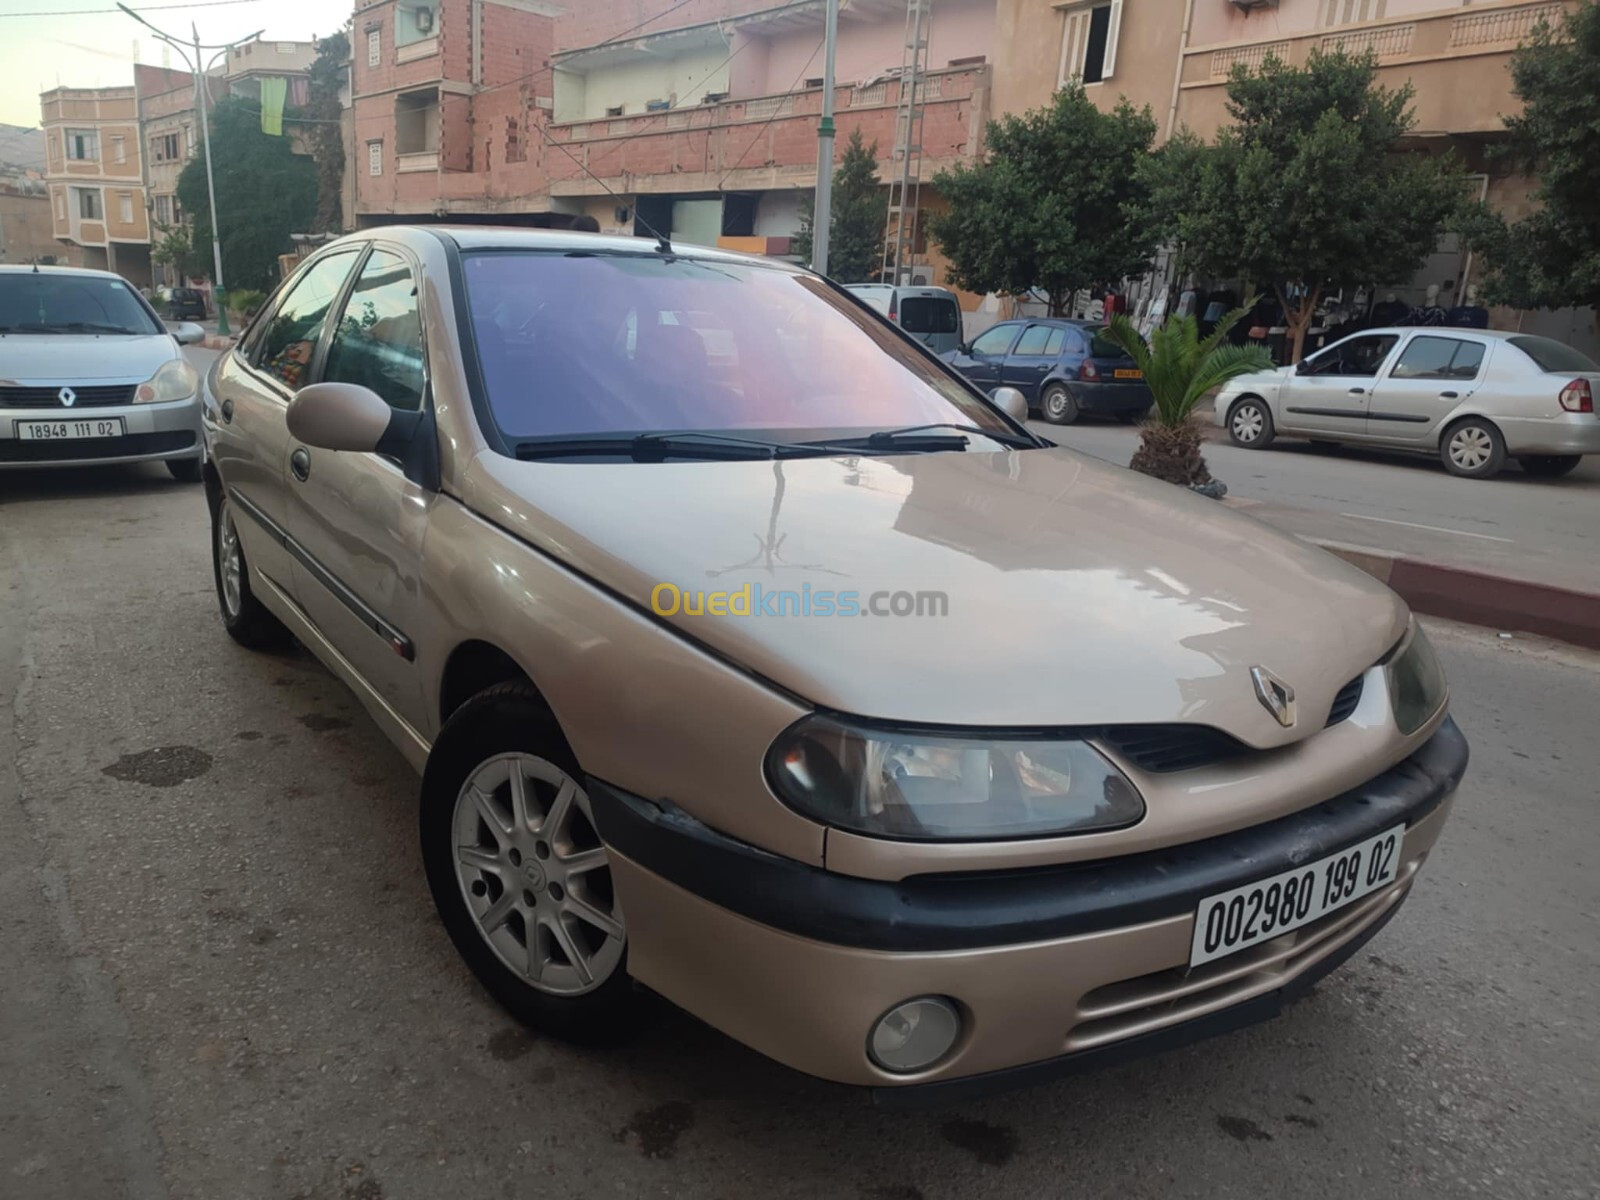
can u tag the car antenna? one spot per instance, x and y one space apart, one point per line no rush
663 246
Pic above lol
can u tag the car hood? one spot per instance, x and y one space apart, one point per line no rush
1256 380
1078 593
40 358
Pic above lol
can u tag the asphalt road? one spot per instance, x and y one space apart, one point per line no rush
221 976
1513 524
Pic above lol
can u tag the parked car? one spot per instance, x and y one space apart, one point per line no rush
187 302
505 484
932 315
89 373
1471 396
1063 368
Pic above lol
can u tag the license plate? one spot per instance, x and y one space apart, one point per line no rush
55 431
1260 911
1126 373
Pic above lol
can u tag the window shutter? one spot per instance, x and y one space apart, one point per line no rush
1112 29
1074 45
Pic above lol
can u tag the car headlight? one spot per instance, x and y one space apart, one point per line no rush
936 786
176 380
1416 681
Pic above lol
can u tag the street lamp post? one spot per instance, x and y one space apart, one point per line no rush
202 95
822 210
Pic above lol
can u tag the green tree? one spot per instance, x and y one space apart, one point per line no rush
1551 259
1180 367
265 191
1056 204
174 247
860 214
324 131
1308 190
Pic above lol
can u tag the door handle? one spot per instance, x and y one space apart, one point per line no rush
1358 391
1449 395
227 411
300 464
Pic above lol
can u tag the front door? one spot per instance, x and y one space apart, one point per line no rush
1331 391
981 362
1427 382
1032 359
355 518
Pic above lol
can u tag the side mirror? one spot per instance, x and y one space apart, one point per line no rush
1302 367
188 333
339 416
1011 402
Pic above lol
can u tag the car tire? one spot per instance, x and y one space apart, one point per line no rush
1250 424
244 617
1058 405
184 470
1550 466
1473 449
545 938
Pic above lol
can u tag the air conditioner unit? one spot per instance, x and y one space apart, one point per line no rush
424 20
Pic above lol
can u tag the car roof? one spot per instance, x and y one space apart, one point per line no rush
507 237
43 269
1494 335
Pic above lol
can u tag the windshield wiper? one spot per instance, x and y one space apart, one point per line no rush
95 327
656 447
895 438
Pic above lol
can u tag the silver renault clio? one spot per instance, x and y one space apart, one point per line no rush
90 374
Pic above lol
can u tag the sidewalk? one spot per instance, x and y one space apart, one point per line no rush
216 341
1507 585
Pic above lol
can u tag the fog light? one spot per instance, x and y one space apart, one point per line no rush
914 1034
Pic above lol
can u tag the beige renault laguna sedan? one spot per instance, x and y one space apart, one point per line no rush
749 655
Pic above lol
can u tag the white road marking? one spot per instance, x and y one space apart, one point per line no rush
1488 537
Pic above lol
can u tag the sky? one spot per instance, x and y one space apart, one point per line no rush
90 44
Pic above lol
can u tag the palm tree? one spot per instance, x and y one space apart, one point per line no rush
1181 367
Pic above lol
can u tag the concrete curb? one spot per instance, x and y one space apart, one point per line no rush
1479 598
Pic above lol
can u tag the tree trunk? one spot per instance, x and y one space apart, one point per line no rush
1299 320
1171 453
1058 303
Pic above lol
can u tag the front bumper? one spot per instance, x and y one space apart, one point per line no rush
1055 969
151 433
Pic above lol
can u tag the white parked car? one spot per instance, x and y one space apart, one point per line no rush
1472 396
90 374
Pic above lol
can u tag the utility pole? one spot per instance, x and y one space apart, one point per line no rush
202 95
822 211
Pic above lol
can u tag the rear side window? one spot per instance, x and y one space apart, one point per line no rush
1054 343
929 314
1439 358
1103 347
1551 355
1034 340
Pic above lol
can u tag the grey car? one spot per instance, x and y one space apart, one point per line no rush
90 374
1474 397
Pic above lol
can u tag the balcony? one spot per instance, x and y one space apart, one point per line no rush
761 142
1454 58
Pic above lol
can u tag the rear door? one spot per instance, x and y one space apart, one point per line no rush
252 387
982 361
1032 359
932 317
1426 382
1332 390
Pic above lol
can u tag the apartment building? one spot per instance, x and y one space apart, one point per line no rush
701 123
169 133
95 175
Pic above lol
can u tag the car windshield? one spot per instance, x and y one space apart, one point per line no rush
1551 355
50 303
585 344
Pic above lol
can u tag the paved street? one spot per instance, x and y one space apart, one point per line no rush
1546 530
223 976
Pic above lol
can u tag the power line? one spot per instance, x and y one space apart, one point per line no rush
84 12
765 125
650 229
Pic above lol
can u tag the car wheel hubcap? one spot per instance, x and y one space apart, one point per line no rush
230 562
1470 448
1247 423
1056 402
534 874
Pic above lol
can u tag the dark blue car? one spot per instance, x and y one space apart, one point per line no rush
1064 368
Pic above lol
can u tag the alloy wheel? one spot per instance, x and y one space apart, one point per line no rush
229 560
535 875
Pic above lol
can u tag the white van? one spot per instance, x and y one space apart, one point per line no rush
932 315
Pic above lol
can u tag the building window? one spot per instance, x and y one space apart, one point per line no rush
119 149
61 206
89 204
1089 42
1343 12
374 158
413 23
187 145
163 210
83 145
164 147
374 49
125 207
55 149
416 122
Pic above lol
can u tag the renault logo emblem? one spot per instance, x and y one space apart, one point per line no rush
67 396
1276 696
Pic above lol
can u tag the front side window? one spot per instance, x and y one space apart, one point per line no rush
994 341
642 343
51 303
378 341
1357 356
1089 42
290 336
1438 358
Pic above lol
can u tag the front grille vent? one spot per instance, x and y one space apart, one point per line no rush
1163 748
87 396
1346 701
